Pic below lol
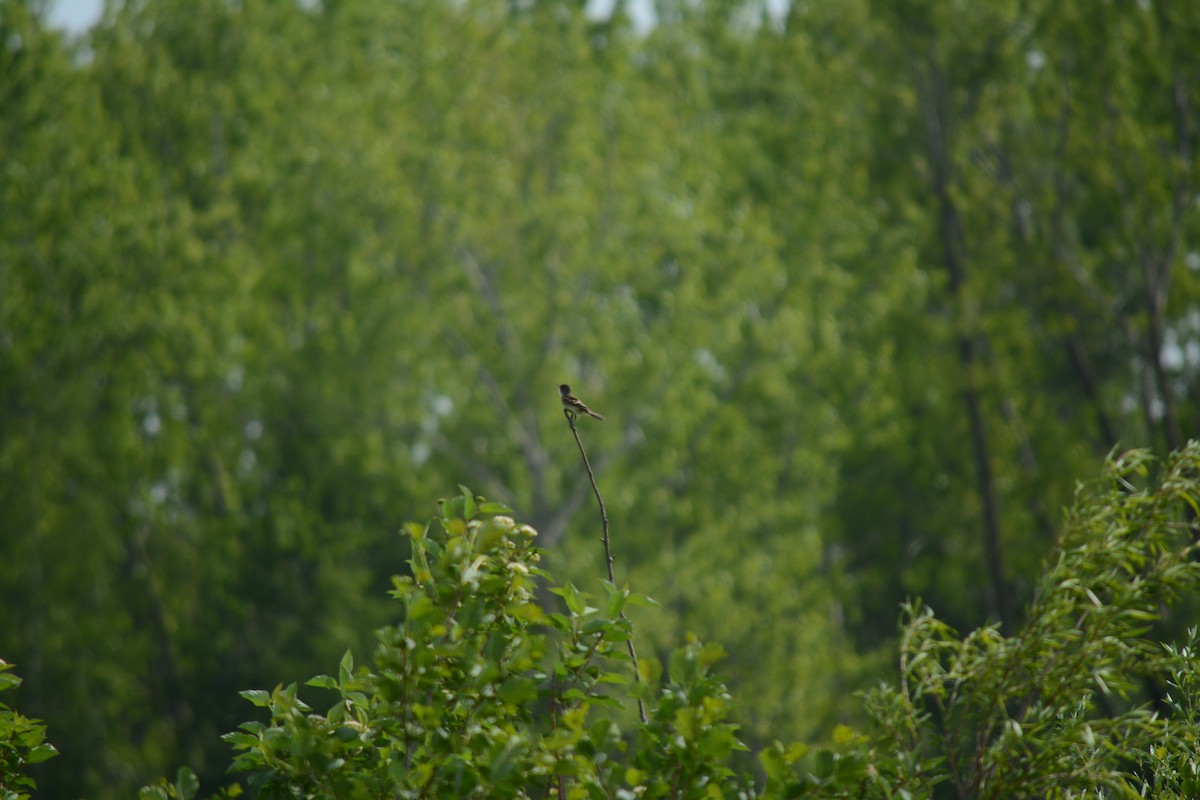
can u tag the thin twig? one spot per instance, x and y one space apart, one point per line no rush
608 557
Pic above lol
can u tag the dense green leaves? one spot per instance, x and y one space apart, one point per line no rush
863 288
1059 708
477 692
22 744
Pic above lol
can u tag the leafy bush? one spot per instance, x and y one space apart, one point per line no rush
22 743
1067 706
480 692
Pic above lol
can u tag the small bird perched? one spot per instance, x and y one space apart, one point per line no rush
574 404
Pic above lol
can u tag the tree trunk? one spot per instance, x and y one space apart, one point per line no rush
932 92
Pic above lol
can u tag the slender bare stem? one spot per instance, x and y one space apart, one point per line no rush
608 557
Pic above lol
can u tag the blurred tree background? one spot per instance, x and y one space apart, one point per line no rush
863 289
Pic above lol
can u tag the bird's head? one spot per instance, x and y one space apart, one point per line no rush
564 389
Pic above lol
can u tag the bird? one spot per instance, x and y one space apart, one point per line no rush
574 404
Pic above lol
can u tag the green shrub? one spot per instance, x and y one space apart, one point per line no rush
479 692
1066 707
22 743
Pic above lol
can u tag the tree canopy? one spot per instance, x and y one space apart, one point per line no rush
863 289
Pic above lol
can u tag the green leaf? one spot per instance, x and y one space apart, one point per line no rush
650 669
560 622
41 753
518 690
594 626
574 599
638 599
771 759
616 602
186 784
153 793
823 763
711 653
614 677
844 735
258 697
468 502
1190 499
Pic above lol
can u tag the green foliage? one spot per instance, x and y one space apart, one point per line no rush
22 743
185 787
478 692
272 272
1066 706
1172 765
